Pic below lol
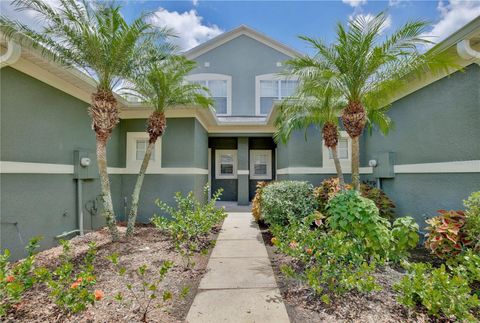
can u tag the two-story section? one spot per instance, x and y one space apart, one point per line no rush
243 70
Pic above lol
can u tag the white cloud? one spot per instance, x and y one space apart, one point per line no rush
187 26
355 3
195 2
387 24
453 15
396 3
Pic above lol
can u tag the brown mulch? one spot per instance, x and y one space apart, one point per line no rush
304 307
148 246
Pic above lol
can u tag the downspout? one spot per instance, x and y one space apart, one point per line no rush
11 55
466 51
79 206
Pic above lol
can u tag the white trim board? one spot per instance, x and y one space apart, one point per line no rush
466 166
9 167
319 170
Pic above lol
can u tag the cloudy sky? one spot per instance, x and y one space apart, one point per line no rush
196 21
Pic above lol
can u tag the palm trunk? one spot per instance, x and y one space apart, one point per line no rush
132 215
356 163
338 167
106 193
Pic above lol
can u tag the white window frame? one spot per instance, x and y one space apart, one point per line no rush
255 152
269 77
131 160
345 163
216 77
218 153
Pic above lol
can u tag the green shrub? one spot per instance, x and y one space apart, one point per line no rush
472 225
190 223
446 237
284 200
257 201
71 288
404 236
358 217
16 279
330 187
438 291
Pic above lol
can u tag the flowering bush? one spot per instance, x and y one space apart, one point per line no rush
190 222
72 289
257 201
286 200
445 237
143 287
17 278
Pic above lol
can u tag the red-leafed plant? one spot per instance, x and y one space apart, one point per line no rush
446 237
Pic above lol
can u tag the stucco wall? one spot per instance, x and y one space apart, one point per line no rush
242 58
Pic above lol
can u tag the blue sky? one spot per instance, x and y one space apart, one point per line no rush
196 21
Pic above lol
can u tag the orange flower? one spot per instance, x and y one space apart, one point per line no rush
309 251
79 280
274 240
10 279
75 285
98 294
90 278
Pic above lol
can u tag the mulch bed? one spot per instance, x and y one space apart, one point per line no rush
148 246
304 307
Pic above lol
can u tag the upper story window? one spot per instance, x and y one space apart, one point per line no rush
220 87
270 87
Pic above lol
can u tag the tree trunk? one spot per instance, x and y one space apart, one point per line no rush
356 163
132 215
105 184
338 167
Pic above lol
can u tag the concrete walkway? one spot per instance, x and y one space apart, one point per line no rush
239 285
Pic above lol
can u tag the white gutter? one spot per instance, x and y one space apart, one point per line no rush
466 51
12 55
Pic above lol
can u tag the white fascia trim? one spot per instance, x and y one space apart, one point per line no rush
9 167
216 77
232 34
467 166
11 55
466 51
319 170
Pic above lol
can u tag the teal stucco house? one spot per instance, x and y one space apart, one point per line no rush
431 160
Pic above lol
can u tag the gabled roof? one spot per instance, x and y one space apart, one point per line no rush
237 32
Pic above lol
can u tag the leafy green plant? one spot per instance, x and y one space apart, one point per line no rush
330 187
144 288
445 237
70 287
467 265
438 291
190 222
358 217
472 225
16 278
284 200
405 237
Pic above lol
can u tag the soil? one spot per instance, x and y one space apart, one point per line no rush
148 246
304 307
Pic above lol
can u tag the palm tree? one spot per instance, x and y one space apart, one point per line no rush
162 86
368 69
312 105
96 39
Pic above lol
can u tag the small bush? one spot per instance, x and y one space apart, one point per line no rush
405 237
257 201
16 279
438 291
190 223
358 217
70 288
472 225
331 186
445 237
282 201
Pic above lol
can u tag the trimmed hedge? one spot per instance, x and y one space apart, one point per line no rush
286 199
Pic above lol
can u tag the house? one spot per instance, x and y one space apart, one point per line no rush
431 160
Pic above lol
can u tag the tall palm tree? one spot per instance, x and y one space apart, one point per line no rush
312 105
368 68
96 39
161 85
